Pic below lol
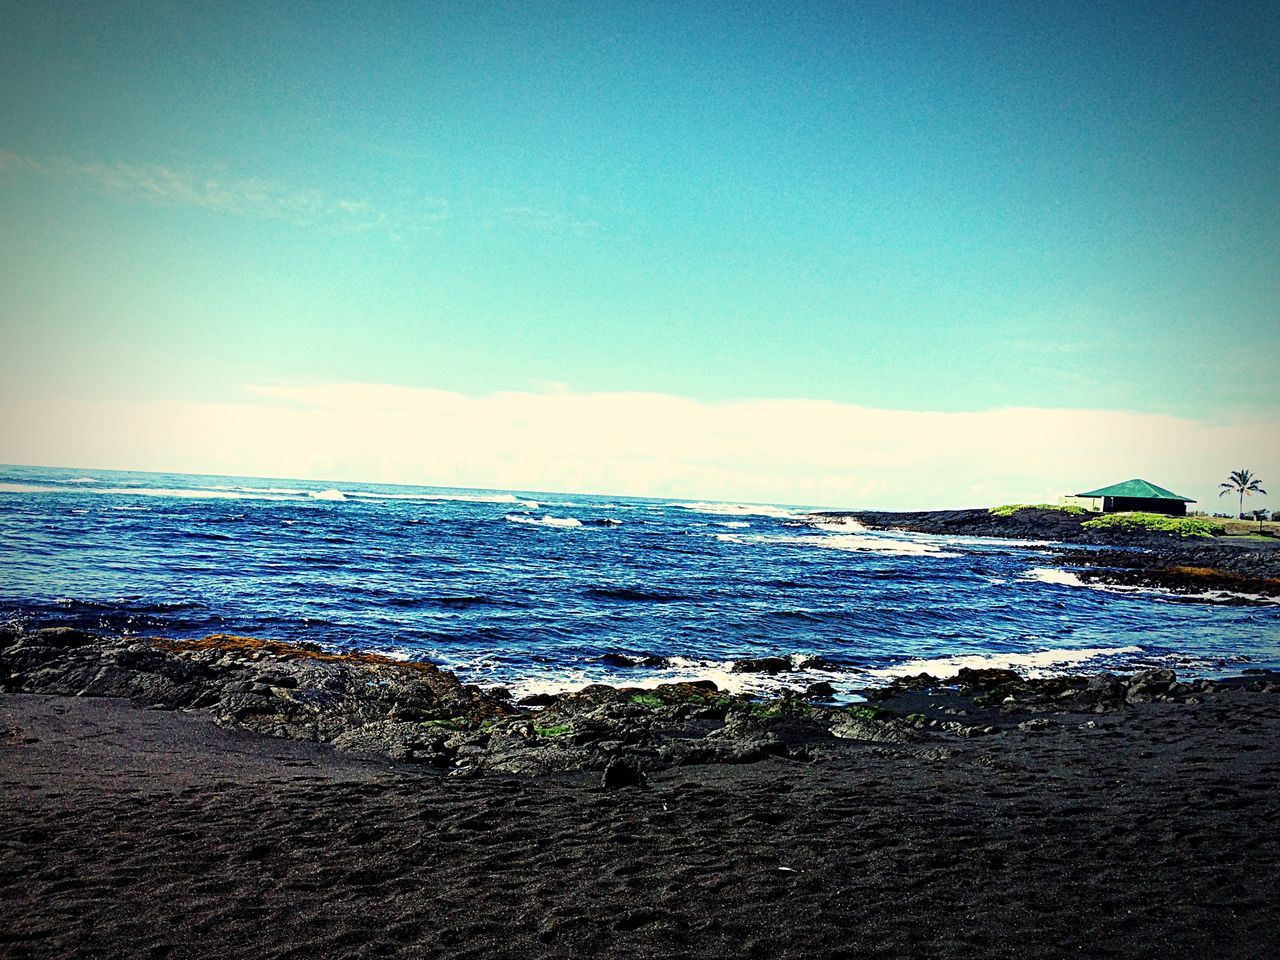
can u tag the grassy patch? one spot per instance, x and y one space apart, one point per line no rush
555 730
1009 509
449 723
647 699
787 707
864 712
1157 522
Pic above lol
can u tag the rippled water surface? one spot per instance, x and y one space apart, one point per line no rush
531 589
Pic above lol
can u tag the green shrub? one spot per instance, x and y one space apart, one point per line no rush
1009 509
451 723
1183 526
864 712
557 730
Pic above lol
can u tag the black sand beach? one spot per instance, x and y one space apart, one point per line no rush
1144 825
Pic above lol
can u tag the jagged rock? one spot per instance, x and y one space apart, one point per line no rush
849 727
1036 724
986 678
621 773
302 694
819 691
417 713
762 665
625 660
537 700
397 740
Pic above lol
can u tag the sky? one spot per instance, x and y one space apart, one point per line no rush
847 254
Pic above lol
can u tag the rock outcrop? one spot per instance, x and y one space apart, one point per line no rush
414 712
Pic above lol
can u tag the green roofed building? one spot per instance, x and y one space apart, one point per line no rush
1132 495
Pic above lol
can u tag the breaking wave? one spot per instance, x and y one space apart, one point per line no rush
544 521
739 509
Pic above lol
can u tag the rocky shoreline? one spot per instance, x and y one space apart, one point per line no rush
350 805
1186 565
415 713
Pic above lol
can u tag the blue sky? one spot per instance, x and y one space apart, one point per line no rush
936 208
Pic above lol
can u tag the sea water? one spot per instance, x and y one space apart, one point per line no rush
530 590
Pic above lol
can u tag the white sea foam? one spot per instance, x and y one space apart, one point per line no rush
1036 664
1063 578
544 521
268 491
1039 663
730 523
242 492
843 525
1069 579
679 670
738 509
193 493
26 488
888 544
504 498
876 543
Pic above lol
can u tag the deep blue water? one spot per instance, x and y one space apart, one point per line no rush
529 589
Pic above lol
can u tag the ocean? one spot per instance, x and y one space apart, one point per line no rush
543 592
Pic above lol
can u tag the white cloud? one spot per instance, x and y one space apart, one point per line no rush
167 186
789 451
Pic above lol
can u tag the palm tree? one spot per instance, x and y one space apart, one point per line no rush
1242 482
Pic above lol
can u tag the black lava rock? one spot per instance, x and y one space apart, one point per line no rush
622 773
762 665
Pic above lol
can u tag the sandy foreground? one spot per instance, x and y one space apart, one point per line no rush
1154 832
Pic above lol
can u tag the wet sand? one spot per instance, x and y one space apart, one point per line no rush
1148 833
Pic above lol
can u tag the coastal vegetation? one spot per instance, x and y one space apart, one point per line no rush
1009 509
552 730
1243 483
1155 522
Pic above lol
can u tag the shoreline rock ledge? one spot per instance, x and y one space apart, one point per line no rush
412 712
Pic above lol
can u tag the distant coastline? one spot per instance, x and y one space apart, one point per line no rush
1247 565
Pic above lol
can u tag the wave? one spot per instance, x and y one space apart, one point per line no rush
845 678
847 525
192 493
738 509
271 491
505 498
1037 664
1063 578
544 521
887 544
677 670
224 492
843 525
732 524
1067 578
